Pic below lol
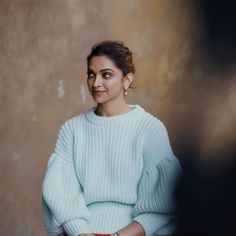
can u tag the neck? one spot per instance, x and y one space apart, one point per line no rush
112 109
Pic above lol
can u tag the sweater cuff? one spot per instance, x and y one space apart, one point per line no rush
76 227
152 223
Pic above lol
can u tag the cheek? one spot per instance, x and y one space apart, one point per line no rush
115 84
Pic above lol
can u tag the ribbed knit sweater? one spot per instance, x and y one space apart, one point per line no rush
106 172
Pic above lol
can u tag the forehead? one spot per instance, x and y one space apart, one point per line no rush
101 62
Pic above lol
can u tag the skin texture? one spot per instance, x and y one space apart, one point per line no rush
107 84
133 229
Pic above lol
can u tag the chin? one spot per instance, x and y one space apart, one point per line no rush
102 101
97 100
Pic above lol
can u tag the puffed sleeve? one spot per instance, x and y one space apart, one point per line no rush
154 209
63 204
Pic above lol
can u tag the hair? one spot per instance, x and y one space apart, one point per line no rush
121 56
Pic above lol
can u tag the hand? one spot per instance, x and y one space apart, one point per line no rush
94 234
86 235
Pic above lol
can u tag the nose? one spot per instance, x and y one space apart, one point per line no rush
97 81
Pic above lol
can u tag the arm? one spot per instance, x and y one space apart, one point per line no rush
133 229
64 207
154 209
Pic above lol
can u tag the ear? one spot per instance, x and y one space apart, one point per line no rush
129 78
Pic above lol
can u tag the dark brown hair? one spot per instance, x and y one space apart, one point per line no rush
121 56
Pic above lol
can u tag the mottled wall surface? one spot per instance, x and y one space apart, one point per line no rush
43 49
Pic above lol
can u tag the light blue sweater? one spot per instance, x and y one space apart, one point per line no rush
106 172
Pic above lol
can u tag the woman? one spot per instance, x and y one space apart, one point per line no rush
113 170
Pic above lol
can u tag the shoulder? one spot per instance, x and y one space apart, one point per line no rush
155 133
156 143
153 125
73 123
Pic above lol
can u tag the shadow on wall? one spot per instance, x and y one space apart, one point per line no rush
206 192
44 45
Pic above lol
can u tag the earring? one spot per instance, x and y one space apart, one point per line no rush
126 92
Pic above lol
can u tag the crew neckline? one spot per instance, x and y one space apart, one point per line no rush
116 119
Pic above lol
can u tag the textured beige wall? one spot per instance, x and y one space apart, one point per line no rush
43 49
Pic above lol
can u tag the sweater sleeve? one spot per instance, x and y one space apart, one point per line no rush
154 209
63 204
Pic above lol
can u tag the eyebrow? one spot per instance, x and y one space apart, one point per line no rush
102 70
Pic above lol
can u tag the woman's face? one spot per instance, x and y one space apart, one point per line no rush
105 81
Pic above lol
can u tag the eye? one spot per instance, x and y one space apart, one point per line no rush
90 75
107 75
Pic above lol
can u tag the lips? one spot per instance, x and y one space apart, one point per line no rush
98 92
